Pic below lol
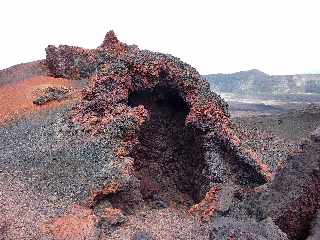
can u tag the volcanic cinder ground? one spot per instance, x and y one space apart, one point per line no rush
122 143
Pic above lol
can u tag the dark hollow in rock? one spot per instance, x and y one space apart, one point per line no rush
173 140
169 158
117 70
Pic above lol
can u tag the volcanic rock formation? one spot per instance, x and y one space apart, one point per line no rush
148 150
175 131
293 198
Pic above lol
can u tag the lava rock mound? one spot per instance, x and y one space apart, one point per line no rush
147 142
124 80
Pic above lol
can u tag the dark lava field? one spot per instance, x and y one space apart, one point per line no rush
122 143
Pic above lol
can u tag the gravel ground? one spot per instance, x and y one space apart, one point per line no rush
293 125
279 135
45 169
165 224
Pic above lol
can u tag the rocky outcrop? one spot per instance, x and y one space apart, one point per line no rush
176 144
293 198
146 153
48 94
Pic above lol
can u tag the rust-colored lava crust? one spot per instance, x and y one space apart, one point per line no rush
117 70
177 142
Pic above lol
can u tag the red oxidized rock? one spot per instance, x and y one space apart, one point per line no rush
117 71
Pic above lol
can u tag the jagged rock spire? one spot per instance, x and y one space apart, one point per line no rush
111 42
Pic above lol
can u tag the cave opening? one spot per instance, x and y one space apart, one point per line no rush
169 158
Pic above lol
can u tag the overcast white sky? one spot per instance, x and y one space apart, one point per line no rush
275 36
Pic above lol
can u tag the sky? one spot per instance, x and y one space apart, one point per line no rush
214 36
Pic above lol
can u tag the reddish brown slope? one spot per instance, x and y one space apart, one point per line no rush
16 98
